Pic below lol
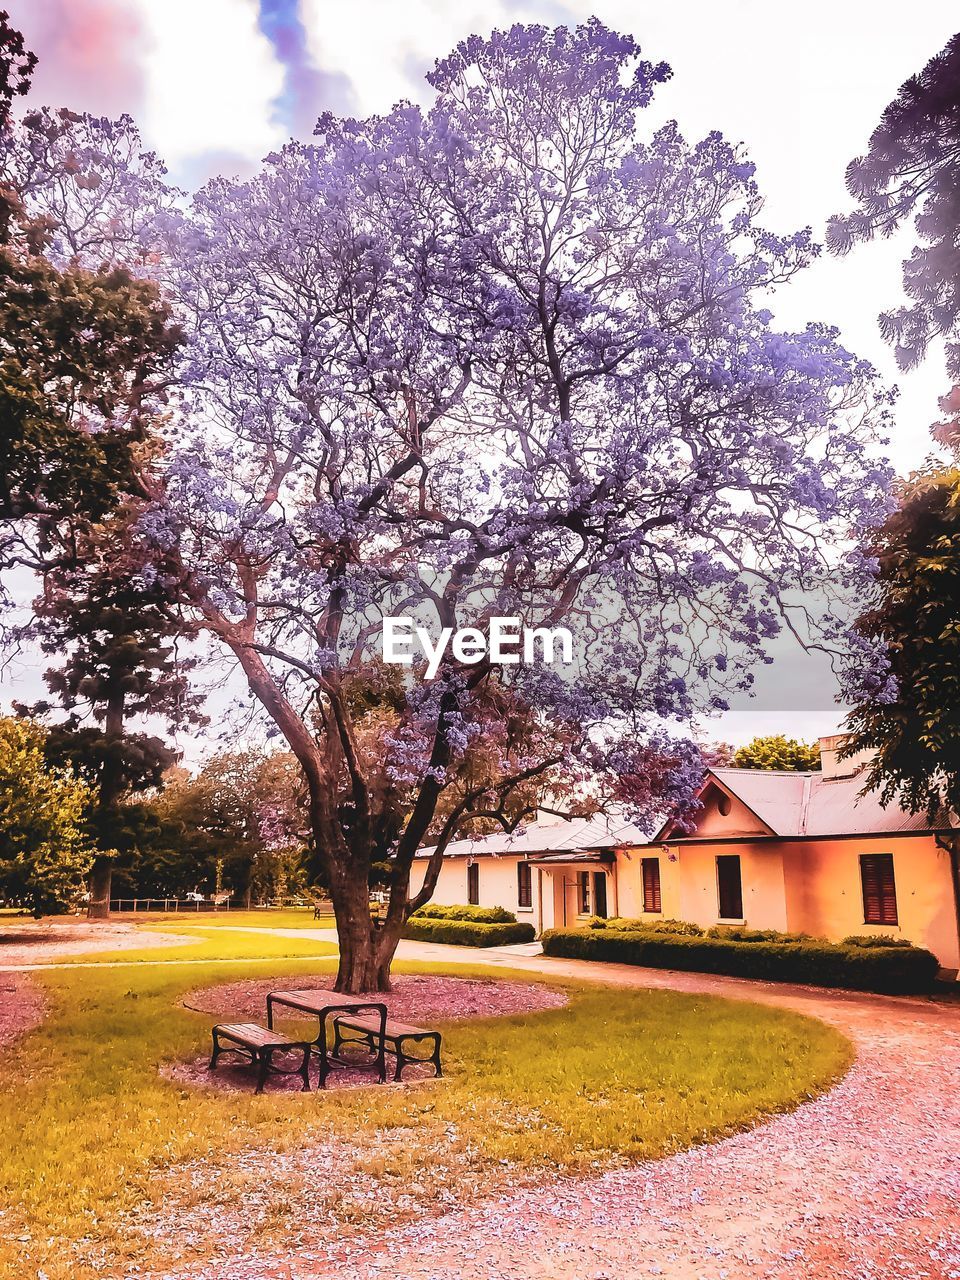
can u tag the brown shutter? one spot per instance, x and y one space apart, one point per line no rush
651 884
524 885
879 888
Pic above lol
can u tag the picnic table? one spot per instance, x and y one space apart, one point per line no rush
322 1003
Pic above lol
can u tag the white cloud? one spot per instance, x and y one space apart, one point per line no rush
211 80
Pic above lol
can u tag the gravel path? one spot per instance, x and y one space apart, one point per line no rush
31 942
863 1184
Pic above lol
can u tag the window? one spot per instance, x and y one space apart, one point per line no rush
600 893
729 887
524 885
583 893
879 888
651 884
473 884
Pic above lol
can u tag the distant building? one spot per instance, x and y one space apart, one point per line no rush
799 852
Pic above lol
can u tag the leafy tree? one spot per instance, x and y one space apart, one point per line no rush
84 341
500 358
912 720
778 752
244 814
913 167
44 850
107 617
17 65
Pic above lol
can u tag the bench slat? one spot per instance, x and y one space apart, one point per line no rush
251 1033
361 1022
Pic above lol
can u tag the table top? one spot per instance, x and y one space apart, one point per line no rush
320 999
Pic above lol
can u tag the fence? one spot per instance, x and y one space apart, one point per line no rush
165 904
135 905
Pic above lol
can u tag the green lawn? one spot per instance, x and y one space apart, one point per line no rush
615 1075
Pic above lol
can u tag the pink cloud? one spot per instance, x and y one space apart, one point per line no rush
90 53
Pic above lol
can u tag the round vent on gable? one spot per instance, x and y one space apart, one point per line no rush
723 804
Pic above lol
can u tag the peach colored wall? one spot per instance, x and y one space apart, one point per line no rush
498 887
831 901
805 887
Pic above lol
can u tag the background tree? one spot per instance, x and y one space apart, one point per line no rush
44 849
910 718
501 358
84 340
778 752
911 721
912 167
241 797
107 617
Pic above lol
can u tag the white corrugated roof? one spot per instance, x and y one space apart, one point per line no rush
550 834
808 804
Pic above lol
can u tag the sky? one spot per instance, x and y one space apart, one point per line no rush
215 84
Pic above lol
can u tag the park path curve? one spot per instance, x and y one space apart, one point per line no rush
862 1184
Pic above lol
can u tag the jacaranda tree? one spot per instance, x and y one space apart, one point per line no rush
500 358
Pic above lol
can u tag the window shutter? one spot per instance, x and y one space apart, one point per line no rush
879 888
651 884
524 885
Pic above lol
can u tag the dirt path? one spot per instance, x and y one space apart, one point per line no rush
30 944
863 1184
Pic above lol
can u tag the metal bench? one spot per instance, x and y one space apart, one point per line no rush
258 1045
396 1034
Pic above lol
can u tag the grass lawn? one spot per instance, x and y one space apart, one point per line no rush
90 1132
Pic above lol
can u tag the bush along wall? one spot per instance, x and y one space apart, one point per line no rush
467 933
893 970
476 915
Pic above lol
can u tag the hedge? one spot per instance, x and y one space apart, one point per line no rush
467 933
895 970
476 915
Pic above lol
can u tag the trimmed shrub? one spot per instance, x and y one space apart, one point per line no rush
739 933
895 970
476 915
467 933
624 924
875 940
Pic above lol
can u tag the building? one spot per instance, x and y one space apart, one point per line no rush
554 872
798 852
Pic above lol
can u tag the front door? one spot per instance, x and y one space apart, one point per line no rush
600 893
729 887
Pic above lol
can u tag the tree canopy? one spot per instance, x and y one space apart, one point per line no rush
908 717
912 167
778 752
501 358
45 853
912 719
85 339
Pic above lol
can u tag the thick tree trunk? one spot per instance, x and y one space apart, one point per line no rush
101 878
366 951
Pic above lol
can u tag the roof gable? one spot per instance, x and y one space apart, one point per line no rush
789 804
723 813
